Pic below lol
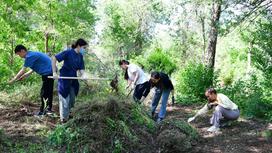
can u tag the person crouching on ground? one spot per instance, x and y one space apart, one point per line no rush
224 110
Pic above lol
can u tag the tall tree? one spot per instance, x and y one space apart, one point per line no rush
213 33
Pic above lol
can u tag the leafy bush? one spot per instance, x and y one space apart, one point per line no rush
250 97
192 82
157 61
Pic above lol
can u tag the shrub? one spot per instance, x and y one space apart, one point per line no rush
156 61
192 82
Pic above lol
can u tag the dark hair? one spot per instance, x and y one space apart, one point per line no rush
211 90
18 48
155 75
121 62
80 42
126 75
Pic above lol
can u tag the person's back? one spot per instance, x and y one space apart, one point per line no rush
225 102
135 68
38 62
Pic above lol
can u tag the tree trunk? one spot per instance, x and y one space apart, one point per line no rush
46 42
202 19
212 40
249 57
11 60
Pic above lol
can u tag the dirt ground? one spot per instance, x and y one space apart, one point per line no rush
244 136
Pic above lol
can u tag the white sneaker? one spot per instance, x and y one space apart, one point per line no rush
213 129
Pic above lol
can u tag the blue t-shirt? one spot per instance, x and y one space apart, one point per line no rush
73 61
38 62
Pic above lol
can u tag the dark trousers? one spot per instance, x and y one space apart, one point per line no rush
47 92
141 90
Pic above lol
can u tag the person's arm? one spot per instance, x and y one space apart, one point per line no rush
27 74
129 82
54 66
202 111
18 75
146 92
136 74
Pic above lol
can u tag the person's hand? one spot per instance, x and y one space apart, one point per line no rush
84 76
55 75
11 81
26 75
132 86
191 119
142 99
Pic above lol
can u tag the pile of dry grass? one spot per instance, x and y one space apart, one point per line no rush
114 125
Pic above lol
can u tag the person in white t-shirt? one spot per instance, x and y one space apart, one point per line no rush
137 80
225 110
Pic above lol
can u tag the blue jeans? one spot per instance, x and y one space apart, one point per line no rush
156 98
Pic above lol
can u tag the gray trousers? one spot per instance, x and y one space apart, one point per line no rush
65 104
222 114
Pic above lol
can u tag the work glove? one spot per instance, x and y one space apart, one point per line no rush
191 119
133 86
84 76
55 75
142 99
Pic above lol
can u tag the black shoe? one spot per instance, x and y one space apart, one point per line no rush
159 120
39 114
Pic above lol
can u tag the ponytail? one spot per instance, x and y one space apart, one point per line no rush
80 42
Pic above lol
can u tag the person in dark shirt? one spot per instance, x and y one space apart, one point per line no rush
163 86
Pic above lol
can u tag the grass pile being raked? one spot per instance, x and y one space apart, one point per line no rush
115 125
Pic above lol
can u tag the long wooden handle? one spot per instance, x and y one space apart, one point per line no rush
78 78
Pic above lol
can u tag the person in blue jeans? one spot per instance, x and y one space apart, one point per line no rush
68 88
163 87
40 63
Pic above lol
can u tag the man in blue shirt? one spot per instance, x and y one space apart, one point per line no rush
41 64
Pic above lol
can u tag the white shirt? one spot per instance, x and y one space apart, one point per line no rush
225 102
134 68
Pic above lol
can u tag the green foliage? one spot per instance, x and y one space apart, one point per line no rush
250 97
160 61
62 136
157 60
192 82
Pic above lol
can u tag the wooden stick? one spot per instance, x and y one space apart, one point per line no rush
78 78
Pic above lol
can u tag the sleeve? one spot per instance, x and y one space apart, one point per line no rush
82 65
203 110
132 68
61 56
147 90
171 84
29 61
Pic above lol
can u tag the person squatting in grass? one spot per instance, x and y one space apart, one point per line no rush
68 88
163 86
136 79
224 110
41 64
